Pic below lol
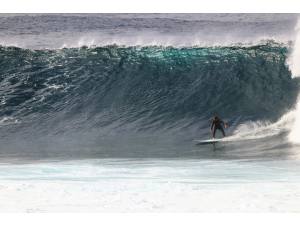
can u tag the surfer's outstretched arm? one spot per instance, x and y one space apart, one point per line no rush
225 124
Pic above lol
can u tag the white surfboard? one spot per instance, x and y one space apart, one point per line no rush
210 141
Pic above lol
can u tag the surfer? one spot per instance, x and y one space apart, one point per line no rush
217 124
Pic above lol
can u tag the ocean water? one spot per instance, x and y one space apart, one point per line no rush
100 112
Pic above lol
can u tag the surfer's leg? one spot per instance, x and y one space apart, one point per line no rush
222 130
214 131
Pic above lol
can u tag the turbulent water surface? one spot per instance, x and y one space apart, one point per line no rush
100 112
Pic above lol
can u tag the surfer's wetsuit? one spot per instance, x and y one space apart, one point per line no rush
217 123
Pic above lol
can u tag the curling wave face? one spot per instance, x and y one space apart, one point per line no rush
139 89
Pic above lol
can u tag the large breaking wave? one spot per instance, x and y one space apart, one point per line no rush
70 98
150 86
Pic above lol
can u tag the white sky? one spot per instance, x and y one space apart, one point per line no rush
158 6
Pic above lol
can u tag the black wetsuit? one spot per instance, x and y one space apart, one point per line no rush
217 124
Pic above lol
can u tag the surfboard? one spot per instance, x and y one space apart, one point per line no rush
208 141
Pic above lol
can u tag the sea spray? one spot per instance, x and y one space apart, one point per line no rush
294 64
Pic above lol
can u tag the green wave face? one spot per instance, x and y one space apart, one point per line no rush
160 85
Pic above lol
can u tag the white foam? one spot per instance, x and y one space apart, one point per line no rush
144 38
6 120
294 64
290 122
262 129
294 58
150 186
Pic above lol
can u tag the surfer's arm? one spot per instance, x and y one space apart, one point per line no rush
224 124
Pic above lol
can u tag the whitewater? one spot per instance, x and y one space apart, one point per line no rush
99 112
